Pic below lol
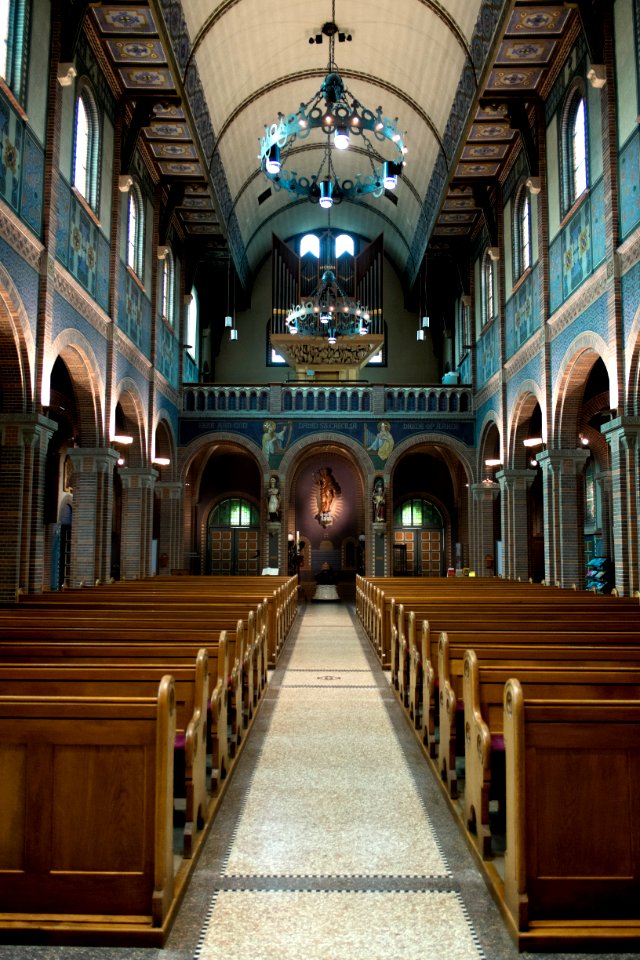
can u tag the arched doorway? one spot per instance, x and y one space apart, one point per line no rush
233 536
418 539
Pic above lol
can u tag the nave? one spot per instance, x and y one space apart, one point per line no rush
333 839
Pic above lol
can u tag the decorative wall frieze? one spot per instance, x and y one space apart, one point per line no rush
628 253
484 395
525 354
125 348
81 301
164 387
20 238
592 290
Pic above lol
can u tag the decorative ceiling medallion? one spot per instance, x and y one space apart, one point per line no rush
485 151
534 19
168 131
491 131
199 203
175 151
136 51
180 169
505 79
121 19
139 77
477 170
525 51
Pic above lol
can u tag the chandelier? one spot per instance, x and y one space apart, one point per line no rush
335 112
329 312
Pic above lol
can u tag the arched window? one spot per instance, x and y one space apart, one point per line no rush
135 230
344 244
167 290
86 147
417 512
13 33
521 233
310 244
487 284
234 512
192 326
574 147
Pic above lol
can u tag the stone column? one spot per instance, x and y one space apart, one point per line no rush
23 451
563 497
92 479
170 547
623 437
483 496
514 508
137 522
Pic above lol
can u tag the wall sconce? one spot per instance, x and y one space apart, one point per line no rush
493 462
533 442
122 438
161 461
584 440
121 461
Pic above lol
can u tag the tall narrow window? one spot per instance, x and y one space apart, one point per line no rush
192 327
575 172
310 243
344 244
86 148
487 289
13 31
135 231
166 298
522 233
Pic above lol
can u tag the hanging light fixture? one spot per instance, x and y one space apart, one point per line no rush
329 312
343 120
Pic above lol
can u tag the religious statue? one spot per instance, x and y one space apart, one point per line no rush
379 503
328 490
273 499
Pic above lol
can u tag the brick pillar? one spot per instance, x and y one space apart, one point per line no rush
623 437
514 508
137 522
23 450
483 496
92 479
170 534
563 496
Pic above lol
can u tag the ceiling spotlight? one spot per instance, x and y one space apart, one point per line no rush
326 194
341 138
272 161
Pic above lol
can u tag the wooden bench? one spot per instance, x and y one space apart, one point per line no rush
572 862
115 680
86 802
140 648
484 713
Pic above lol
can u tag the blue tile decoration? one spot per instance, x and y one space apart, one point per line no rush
66 317
167 354
629 174
190 371
593 320
11 134
32 183
102 272
63 220
630 298
578 248
522 313
491 405
487 354
25 279
598 246
531 371
134 312
464 369
166 406
125 370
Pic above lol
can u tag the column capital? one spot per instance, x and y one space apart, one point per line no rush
508 478
485 490
563 461
24 429
169 489
623 430
92 459
143 477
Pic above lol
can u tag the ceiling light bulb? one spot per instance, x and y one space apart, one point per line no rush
341 138
272 162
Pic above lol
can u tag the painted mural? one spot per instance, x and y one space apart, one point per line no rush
21 168
81 246
572 255
522 313
629 173
134 311
487 354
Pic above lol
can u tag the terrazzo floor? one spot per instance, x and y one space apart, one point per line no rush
333 839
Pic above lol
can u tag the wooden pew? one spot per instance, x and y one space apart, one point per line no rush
115 680
574 648
572 862
139 648
86 802
484 713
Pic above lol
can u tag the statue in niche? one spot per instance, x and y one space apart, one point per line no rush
328 490
273 499
379 501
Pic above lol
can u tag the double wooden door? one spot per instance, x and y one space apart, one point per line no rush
234 552
418 553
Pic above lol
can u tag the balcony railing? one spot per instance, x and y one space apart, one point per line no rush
306 400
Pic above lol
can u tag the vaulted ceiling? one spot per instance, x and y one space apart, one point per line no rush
202 79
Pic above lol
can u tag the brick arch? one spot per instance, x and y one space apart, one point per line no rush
128 396
569 386
164 445
17 350
452 447
487 445
189 453
528 398
80 360
632 386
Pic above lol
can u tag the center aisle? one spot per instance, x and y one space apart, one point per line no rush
333 841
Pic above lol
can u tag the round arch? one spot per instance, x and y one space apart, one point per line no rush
17 350
80 360
573 372
529 397
128 416
632 351
163 447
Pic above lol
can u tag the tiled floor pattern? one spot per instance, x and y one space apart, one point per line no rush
330 799
333 840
